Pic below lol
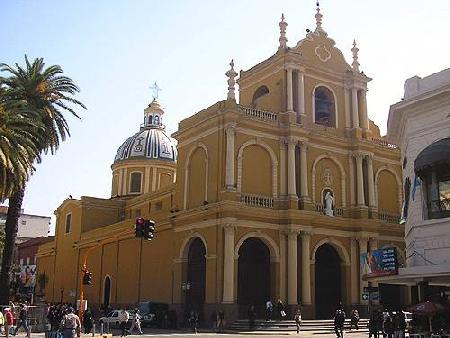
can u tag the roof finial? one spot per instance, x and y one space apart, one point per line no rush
283 39
231 74
355 63
318 17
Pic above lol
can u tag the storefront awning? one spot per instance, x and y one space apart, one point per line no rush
436 154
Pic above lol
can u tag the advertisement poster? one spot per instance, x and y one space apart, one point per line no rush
380 262
28 275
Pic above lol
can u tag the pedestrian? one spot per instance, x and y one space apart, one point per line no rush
251 317
70 324
221 321
339 320
193 321
2 322
23 320
136 322
298 320
373 325
269 310
9 321
388 328
281 309
124 317
354 319
214 320
88 322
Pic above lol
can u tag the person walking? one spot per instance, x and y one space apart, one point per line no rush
269 310
9 321
71 325
220 321
23 320
88 322
193 321
298 320
124 317
373 325
354 319
251 317
388 328
136 322
281 309
339 320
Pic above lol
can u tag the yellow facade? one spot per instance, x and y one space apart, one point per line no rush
249 176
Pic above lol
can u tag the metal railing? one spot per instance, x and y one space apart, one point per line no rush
388 217
337 211
257 200
259 114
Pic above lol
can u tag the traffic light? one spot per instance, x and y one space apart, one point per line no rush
139 227
87 278
149 229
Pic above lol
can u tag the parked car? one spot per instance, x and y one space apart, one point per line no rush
113 318
153 313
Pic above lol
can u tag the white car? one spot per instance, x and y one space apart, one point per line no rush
113 318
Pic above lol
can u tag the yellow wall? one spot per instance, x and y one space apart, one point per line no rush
256 171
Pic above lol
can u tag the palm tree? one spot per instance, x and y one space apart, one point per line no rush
44 94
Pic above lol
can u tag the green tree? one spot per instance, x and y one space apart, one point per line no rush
43 95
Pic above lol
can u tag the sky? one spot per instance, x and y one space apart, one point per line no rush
115 50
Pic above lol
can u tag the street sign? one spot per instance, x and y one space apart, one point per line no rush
365 296
370 289
374 296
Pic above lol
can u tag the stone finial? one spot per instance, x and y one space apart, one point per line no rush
318 17
283 39
231 74
355 63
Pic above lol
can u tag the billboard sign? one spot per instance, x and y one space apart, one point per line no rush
380 262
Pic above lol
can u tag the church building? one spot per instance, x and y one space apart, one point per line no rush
272 196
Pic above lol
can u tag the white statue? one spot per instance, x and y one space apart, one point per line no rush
329 201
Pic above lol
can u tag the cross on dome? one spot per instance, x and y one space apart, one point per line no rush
156 89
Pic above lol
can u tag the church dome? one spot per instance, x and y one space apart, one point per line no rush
151 142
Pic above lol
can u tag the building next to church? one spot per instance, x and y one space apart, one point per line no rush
273 196
420 125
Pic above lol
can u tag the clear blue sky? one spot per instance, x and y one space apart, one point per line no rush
115 50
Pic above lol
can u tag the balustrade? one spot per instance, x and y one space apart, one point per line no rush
257 200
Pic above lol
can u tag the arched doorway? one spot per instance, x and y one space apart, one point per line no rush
328 288
106 292
253 275
196 276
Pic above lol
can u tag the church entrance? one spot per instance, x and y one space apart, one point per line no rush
196 277
328 288
253 276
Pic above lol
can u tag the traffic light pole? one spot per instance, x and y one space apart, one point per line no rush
84 267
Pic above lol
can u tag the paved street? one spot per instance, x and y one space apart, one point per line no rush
157 333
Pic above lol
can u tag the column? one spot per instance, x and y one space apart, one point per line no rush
354 259
301 93
362 250
355 114
283 270
228 265
292 268
229 174
290 97
370 182
292 191
303 171
348 119
306 269
283 189
363 112
359 180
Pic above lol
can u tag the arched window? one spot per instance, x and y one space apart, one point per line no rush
259 93
135 182
324 107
